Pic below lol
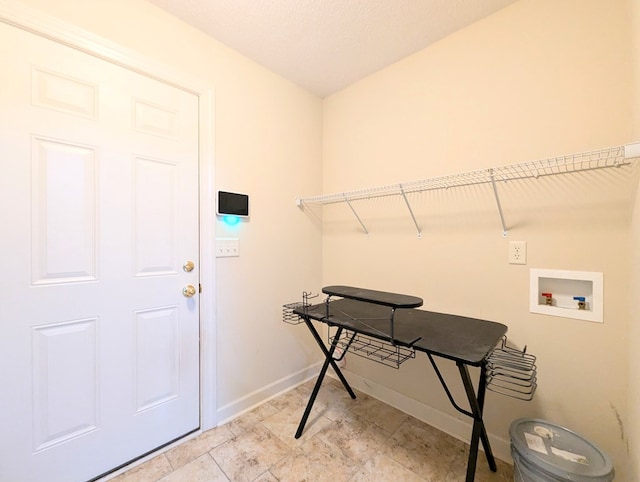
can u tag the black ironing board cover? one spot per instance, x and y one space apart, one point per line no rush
393 300
458 338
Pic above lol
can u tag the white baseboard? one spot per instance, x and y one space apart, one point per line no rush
457 428
250 401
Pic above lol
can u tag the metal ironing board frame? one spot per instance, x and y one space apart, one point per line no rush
466 341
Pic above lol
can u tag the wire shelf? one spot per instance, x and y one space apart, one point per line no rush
288 316
511 372
585 161
374 349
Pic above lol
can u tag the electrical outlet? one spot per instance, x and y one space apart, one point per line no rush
517 252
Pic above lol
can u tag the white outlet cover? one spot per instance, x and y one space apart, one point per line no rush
517 252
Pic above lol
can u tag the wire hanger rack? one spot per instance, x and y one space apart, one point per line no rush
380 351
585 161
288 316
511 372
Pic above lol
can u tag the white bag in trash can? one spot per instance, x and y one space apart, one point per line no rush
544 452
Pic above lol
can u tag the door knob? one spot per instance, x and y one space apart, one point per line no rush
189 291
188 266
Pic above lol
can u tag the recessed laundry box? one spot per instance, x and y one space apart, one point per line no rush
544 452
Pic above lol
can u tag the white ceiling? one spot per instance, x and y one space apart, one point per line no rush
326 45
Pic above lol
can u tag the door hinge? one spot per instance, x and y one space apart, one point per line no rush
199 288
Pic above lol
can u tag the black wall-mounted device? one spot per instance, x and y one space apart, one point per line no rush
232 204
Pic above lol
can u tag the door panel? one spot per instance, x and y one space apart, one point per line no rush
65 382
155 216
63 211
98 188
157 352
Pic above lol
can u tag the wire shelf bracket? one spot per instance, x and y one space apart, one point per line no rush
346 199
505 231
406 200
586 161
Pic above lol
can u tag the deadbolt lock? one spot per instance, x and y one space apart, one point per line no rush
188 266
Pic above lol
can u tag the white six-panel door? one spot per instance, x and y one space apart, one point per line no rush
99 212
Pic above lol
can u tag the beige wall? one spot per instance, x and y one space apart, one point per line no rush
633 427
539 79
267 144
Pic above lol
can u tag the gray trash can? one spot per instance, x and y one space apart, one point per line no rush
544 452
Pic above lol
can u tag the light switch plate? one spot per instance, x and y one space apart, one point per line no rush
227 247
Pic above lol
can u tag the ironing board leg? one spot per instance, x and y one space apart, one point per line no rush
328 361
479 432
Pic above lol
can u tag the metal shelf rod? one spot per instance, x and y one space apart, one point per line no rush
356 215
404 196
505 232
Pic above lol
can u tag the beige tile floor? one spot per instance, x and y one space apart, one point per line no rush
361 440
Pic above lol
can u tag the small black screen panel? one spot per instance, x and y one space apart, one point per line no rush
233 203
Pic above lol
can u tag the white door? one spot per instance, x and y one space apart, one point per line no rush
99 349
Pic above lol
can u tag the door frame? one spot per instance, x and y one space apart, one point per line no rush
25 17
